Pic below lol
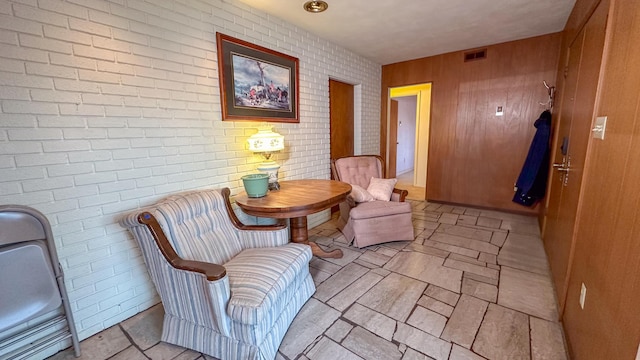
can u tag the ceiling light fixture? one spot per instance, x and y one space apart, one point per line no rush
315 6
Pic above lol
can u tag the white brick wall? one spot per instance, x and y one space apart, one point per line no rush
106 106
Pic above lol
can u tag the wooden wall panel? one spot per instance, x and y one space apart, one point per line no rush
474 156
579 15
607 254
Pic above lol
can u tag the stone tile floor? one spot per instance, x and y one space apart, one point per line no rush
474 284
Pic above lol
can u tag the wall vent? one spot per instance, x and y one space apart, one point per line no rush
475 55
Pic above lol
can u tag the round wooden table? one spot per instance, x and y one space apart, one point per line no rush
295 200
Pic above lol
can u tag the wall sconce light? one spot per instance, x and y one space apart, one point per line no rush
266 142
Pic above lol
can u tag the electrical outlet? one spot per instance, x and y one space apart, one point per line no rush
583 295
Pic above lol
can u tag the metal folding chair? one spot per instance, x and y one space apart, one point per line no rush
34 306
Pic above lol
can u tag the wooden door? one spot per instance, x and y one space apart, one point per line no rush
607 254
341 118
393 139
574 132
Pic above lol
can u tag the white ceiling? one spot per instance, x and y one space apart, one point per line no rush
389 31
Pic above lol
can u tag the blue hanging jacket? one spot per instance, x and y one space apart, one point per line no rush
532 182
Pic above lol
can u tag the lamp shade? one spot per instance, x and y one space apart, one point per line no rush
266 140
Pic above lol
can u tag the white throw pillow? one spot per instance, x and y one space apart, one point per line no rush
360 195
381 189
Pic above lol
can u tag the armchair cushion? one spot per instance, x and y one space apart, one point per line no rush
262 239
358 170
381 189
376 209
360 195
198 227
259 277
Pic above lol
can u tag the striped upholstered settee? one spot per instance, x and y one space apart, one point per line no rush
229 290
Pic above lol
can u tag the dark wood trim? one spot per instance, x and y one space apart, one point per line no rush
212 271
226 193
403 193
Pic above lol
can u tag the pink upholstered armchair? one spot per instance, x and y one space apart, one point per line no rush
371 222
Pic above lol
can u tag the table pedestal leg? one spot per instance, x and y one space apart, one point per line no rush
300 235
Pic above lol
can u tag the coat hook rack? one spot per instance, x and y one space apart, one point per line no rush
551 90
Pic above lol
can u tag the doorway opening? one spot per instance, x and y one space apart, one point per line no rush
408 137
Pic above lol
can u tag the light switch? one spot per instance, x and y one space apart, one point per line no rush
599 127
499 111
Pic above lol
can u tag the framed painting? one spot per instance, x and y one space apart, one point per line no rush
256 83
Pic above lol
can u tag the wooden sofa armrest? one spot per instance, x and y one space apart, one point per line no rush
403 193
226 193
211 271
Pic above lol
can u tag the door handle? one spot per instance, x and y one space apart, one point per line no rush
560 167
